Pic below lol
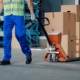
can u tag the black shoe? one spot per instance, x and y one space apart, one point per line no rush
28 59
4 62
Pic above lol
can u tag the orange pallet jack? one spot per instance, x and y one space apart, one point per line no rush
55 53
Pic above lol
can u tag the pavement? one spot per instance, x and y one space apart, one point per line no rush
38 69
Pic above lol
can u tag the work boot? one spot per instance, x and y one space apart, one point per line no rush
4 62
28 59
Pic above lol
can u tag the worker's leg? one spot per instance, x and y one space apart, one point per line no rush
20 33
8 25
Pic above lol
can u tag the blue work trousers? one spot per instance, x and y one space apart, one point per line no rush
20 33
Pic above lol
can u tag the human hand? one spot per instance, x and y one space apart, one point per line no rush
33 17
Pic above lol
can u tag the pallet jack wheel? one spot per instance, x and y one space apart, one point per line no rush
53 58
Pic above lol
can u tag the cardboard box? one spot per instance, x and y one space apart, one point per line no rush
62 21
77 45
15 43
77 54
68 45
77 30
77 41
73 9
49 28
77 48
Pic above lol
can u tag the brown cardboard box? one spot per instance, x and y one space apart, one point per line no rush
15 44
77 30
73 9
49 28
68 45
77 54
77 48
62 21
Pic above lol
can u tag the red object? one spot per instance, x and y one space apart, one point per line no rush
55 37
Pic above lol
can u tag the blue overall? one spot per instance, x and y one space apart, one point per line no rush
20 33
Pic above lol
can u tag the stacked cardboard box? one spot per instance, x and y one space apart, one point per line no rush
65 22
74 9
77 48
68 23
78 39
61 21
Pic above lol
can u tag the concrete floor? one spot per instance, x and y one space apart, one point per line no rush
38 69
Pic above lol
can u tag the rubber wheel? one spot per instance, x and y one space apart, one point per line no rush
53 58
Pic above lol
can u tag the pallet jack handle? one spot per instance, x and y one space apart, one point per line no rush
42 26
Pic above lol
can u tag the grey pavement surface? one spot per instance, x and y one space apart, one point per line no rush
38 69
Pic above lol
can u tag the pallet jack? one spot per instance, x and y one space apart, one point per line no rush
55 53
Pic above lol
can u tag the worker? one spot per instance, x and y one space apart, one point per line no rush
14 16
